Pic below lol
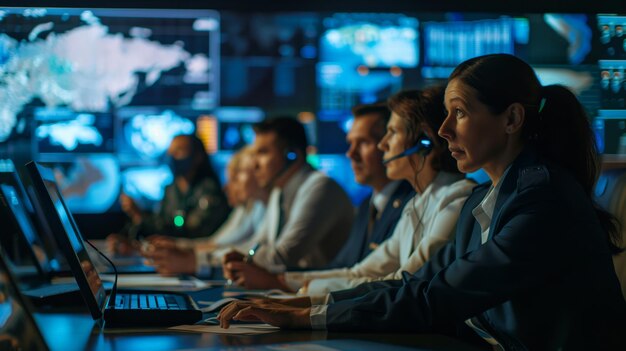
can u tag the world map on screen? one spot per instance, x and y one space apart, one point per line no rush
87 68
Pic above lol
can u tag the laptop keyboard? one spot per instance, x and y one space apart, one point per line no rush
134 308
149 302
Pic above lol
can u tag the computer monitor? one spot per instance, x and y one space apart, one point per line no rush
18 330
68 236
236 126
18 224
10 177
61 133
338 168
371 39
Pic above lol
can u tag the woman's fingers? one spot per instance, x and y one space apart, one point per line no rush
250 314
227 313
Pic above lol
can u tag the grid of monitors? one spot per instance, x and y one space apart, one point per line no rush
610 122
220 71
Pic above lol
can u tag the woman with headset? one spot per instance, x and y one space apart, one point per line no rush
530 267
413 152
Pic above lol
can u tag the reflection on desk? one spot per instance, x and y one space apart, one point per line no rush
74 330
71 331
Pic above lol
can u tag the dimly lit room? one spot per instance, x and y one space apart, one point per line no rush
313 175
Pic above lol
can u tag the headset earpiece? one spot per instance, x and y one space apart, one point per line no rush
290 156
422 146
424 143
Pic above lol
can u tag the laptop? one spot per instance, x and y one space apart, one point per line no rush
55 265
124 307
18 330
16 224
58 267
19 225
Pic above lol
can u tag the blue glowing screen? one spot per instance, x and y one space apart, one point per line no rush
146 184
96 60
373 40
61 130
88 184
235 126
338 168
147 132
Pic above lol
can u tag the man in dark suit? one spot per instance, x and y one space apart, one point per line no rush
378 214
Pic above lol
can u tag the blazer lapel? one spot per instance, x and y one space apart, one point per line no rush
392 212
508 190
467 223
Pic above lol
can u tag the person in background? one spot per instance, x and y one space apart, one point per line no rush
250 199
427 221
308 215
174 256
531 265
378 214
194 205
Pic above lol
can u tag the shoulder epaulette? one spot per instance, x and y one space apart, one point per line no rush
533 176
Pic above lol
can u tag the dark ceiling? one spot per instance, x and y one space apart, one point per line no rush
595 6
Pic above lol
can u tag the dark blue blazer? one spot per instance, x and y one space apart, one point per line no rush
357 247
543 280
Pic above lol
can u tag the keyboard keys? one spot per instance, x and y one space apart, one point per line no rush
161 302
119 301
134 302
148 301
143 302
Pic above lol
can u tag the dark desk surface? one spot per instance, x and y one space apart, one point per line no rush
73 329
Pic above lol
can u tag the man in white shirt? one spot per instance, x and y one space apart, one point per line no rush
308 215
378 214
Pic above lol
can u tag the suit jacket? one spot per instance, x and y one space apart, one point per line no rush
316 215
543 280
357 247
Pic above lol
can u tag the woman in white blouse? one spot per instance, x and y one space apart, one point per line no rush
428 220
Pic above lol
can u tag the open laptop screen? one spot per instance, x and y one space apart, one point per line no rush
68 237
8 175
55 262
14 214
18 330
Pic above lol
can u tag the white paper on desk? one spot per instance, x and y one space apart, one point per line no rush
238 329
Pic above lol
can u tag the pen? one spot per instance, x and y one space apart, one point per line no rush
247 259
251 252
